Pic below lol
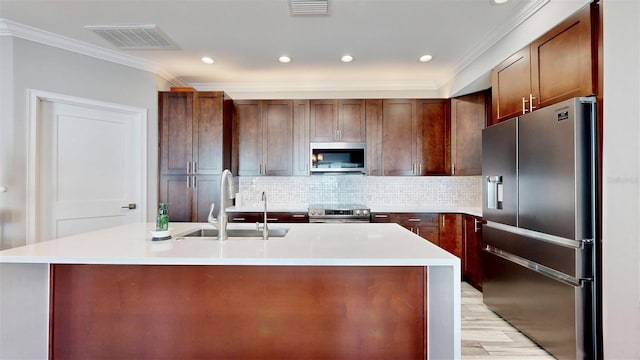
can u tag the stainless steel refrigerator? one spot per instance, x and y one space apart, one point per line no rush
539 262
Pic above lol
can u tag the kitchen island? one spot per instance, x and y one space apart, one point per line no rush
322 291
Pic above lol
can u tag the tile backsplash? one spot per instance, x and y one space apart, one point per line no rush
297 192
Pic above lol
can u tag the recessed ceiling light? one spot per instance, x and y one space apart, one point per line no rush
498 2
425 58
284 59
207 60
346 59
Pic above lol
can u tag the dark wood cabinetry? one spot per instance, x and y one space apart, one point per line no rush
459 234
468 118
472 250
373 109
435 149
451 233
557 66
263 137
415 137
400 137
337 120
425 225
195 147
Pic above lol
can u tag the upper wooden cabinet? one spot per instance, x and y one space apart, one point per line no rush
195 132
415 137
373 109
195 147
435 124
337 120
401 137
468 117
557 66
263 137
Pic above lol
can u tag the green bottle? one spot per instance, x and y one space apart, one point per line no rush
162 221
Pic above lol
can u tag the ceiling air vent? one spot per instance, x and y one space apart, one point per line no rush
134 37
309 7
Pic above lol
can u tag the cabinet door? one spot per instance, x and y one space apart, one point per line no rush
561 61
472 254
430 233
301 155
450 233
400 137
277 129
435 152
208 134
176 130
511 81
247 133
323 120
352 120
373 116
468 116
206 190
176 191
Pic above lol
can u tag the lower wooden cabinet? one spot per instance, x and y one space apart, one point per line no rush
459 234
451 233
472 250
189 196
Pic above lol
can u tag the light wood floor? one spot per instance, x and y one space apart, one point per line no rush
486 336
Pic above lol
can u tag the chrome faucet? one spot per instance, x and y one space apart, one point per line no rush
227 191
264 227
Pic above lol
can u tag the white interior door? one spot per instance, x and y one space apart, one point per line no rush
89 169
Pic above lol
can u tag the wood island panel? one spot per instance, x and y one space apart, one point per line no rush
238 312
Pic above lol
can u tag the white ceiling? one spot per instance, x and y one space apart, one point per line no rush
246 37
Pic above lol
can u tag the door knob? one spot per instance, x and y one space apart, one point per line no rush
130 207
3 189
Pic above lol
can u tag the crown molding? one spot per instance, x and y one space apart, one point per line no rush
12 28
497 35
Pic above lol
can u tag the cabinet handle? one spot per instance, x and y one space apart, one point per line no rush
413 168
477 223
238 219
188 182
260 169
193 182
188 167
273 219
414 220
531 107
380 216
418 231
195 167
442 216
298 215
524 105
453 169
420 169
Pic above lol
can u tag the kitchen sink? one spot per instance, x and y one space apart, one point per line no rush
231 233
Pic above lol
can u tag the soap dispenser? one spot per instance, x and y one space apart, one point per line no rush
162 221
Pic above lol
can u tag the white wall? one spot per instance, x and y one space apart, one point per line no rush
621 228
40 67
6 139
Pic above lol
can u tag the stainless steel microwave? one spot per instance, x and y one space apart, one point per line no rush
338 157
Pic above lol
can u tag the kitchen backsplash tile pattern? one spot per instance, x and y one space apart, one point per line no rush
297 192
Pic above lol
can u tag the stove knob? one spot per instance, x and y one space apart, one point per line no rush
365 212
358 212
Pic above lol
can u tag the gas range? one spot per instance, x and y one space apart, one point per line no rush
338 213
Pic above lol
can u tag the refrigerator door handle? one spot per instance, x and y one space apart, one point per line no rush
539 268
495 193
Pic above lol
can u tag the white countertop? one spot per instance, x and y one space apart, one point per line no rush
304 244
